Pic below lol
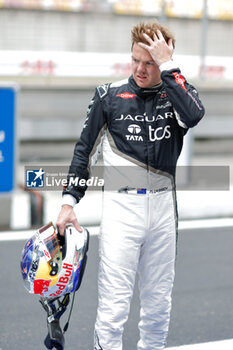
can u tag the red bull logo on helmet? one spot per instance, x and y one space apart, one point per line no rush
63 280
41 286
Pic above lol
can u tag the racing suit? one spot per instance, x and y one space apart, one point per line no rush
141 131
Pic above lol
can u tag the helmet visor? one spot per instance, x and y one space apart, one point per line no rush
47 234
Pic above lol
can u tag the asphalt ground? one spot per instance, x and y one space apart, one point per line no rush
202 297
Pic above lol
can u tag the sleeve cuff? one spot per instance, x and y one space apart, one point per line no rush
168 65
67 199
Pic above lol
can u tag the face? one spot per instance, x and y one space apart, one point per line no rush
146 72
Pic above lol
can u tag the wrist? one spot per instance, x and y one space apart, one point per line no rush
168 65
67 199
67 206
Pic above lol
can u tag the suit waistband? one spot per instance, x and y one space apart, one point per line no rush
140 190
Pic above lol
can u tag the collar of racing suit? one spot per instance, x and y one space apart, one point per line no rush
144 92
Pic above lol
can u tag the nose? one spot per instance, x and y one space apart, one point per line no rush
141 67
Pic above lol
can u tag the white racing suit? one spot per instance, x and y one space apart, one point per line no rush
138 234
141 132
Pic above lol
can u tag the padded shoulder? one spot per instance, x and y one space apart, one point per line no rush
103 90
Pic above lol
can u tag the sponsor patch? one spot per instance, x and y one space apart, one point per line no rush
134 130
141 190
180 80
126 95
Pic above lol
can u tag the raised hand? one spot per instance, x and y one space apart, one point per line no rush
159 50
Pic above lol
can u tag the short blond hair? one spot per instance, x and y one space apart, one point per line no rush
150 28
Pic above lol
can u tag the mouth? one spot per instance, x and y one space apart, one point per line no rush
141 77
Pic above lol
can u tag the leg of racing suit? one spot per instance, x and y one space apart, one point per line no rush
129 231
156 273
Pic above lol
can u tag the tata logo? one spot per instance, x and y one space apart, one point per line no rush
126 95
134 130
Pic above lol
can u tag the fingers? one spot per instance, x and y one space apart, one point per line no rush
144 46
61 228
160 50
158 36
150 41
77 226
170 44
67 216
148 38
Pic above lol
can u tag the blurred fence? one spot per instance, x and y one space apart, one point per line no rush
101 31
33 64
217 9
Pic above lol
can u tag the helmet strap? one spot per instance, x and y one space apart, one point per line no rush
55 309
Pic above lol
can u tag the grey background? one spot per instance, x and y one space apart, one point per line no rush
202 297
102 32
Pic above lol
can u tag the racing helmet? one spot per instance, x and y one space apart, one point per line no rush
53 265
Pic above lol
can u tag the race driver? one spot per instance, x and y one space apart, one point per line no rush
140 123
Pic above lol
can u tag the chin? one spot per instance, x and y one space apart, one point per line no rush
142 84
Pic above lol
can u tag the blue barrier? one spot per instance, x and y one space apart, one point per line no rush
8 136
